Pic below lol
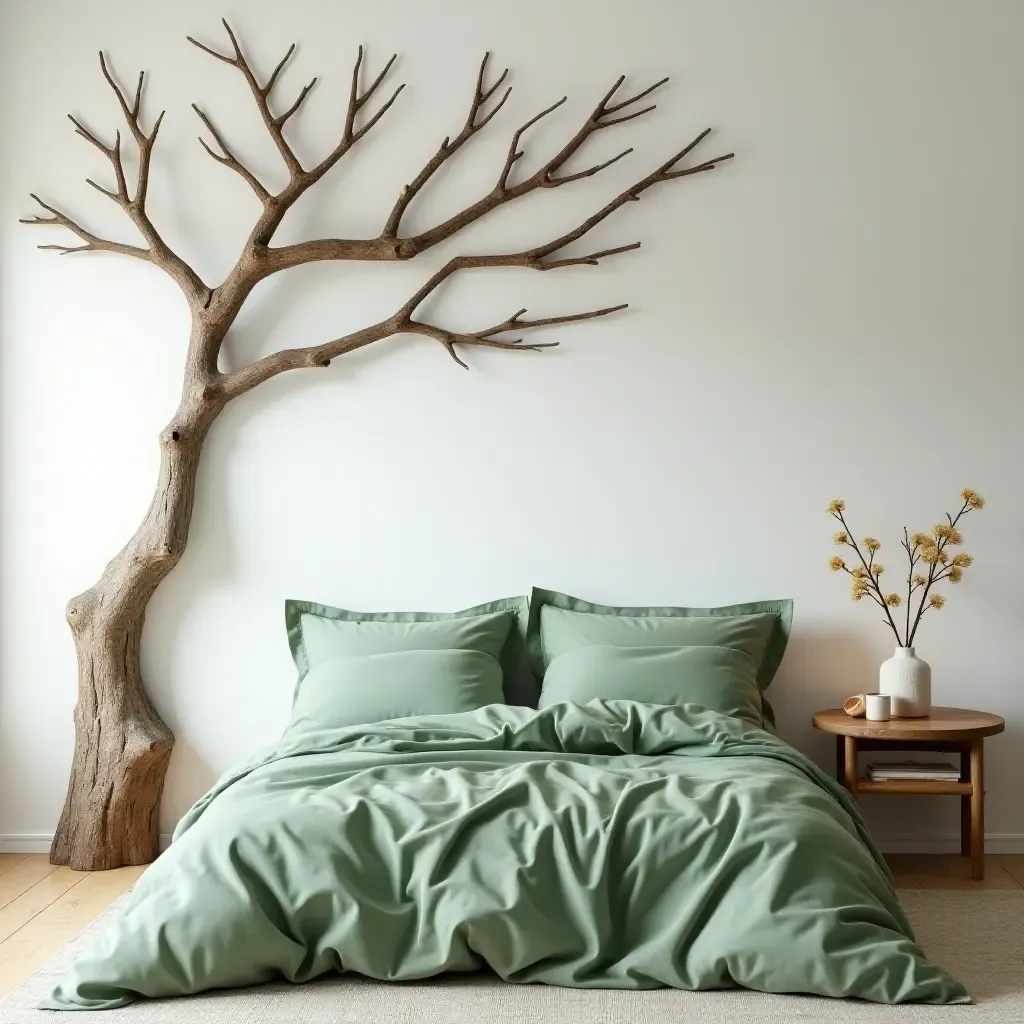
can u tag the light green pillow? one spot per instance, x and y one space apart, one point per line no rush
720 678
375 687
319 633
560 623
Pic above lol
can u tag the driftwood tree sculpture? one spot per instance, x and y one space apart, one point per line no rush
122 747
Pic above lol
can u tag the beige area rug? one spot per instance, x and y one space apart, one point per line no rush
978 936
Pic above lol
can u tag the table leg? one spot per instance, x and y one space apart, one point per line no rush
841 760
965 803
977 810
850 765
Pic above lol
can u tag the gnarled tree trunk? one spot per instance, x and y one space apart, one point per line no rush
122 748
111 812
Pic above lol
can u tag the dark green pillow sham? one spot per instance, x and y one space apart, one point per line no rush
720 678
318 633
376 687
559 623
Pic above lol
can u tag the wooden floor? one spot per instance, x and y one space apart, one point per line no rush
43 907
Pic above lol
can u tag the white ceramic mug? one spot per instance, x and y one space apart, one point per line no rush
878 707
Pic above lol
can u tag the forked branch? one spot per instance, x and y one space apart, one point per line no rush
300 179
93 243
486 338
551 174
404 322
449 146
134 205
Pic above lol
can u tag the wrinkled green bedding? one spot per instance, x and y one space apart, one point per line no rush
612 844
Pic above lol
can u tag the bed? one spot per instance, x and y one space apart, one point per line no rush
619 843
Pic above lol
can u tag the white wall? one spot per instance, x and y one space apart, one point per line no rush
837 312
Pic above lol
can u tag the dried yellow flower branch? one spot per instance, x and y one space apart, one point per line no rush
928 549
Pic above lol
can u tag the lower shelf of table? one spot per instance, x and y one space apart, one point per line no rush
917 788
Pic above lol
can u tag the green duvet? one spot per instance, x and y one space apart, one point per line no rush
612 844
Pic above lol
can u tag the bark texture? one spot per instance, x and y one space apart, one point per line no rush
122 748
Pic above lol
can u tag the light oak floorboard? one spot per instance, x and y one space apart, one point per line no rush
27 949
36 899
22 876
8 860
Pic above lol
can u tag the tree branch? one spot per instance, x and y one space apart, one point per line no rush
403 321
228 159
388 246
485 338
276 206
546 175
449 147
158 252
260 93
93 242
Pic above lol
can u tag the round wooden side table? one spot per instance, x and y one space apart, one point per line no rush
951 730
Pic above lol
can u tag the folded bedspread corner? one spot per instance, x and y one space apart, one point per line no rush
612 844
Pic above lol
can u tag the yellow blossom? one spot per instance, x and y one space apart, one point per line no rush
841 537
955 574
936 600
920 539
836 505
962 560
859 572
893 600
943 557
955 537
942 531
836 564
972 498
871 544
919 580
859 589
930 554
878 569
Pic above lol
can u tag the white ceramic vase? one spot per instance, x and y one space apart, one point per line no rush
908 682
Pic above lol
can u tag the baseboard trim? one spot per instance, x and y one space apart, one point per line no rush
39 842
995 842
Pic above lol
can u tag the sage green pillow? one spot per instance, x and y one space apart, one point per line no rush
375 687
720 678
319 633
559 623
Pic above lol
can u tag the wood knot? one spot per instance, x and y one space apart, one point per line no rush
406 250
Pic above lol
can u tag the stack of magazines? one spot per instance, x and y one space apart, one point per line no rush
916 771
